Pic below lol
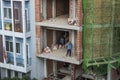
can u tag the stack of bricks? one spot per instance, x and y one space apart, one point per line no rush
38 29
79 33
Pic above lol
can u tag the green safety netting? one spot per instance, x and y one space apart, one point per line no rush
101 32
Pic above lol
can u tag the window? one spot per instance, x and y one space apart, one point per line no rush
17 47
27 53
7 13
9 46
8 26
16 13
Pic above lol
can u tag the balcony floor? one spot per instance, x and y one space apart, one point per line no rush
60 55
58 22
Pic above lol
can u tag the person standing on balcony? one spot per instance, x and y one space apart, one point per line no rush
69 48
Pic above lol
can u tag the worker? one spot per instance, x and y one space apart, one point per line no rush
69 48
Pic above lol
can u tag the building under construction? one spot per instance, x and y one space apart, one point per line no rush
93 28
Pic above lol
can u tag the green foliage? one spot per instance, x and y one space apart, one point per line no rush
25 78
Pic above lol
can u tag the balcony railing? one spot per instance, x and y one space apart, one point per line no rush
10 58
19 62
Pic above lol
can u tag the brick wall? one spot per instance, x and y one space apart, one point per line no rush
62 7
49 37
38 29
49 9
37 10
79 33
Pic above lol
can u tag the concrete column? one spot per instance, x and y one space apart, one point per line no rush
0 73
14 50
55 68
53 8
24 37
6 72
73 9
73 41
44 9
45 38
54 37
12 74
19 74
45 68
109 72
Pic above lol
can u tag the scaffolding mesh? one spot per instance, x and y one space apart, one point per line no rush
101 29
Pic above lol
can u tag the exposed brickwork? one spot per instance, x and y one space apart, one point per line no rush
62 7
37 10
79 33
38 48
49 37
38 30
49 9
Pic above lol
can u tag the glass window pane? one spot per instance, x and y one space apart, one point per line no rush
7 45
5 12
11 47
16 14
10 16
17 47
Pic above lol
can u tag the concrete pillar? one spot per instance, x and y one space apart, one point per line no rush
4 73
73 41
55 68
54 37
12 74
73 9
109 72
53 8
0 73
19 74
44 9
45 37
45 68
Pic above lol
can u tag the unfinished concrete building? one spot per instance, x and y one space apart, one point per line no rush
51 24
92 26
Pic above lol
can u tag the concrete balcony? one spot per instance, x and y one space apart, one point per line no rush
60 22
60 55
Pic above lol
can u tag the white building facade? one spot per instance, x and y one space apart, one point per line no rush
16 37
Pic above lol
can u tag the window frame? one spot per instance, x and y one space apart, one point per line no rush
7 16
19 53
27 52
9 48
